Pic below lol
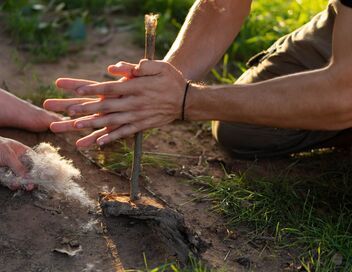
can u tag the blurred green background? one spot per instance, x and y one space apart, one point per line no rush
48 28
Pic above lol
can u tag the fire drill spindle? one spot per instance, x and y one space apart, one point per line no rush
151 21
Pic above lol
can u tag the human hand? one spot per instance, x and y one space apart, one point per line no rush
10 153
152 97
64 105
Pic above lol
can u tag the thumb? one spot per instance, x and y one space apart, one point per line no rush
16 165
122 68
149 68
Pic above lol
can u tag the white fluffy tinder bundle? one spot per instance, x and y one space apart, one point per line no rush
50 172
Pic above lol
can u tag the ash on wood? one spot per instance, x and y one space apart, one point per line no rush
166 222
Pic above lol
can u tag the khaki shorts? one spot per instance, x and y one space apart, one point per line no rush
307 48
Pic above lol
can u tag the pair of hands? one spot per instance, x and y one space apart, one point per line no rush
148 95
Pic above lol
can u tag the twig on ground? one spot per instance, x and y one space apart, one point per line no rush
47 208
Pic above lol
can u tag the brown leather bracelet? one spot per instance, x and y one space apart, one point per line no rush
347 3
184 100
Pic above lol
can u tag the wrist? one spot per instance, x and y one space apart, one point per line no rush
206 103
179 65
198 106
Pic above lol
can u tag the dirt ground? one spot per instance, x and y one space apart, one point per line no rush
32 228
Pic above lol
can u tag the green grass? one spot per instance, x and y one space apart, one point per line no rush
47 29
122 157
306 207
193 266
31 31
268 21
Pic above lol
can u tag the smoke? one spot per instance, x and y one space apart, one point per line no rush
50 172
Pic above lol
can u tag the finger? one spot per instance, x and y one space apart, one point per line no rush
16 165
72 84
123 79
91 138
95 122
122 132
115 88
19 149
126 131
62 105
113 119
122 68
14 186
150 68
29 187
63 126
67 125
103 106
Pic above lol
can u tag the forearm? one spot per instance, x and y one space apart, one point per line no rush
316 100
209 29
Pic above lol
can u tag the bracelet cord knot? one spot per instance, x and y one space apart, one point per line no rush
183 113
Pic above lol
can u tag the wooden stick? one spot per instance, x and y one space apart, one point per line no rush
151 22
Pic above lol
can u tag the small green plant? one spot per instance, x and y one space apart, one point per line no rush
47 28
226 77
122 158
193 266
